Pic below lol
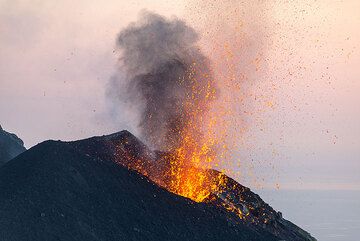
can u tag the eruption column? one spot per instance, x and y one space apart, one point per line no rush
167 76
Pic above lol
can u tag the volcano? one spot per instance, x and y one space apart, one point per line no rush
10 146
98 189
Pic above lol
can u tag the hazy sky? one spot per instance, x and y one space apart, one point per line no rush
299 62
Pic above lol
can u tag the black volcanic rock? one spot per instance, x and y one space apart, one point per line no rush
10 146
129 151
78 191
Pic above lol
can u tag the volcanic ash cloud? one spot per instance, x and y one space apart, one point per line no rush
163 73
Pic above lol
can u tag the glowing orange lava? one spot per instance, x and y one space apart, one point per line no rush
190 162
186 167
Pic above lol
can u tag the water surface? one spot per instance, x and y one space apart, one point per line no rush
327 215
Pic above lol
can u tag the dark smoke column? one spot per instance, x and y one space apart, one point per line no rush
166 77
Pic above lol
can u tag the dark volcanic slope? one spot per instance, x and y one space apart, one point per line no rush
125 149
55 191
10 146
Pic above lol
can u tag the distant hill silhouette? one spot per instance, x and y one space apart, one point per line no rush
10 146
81 191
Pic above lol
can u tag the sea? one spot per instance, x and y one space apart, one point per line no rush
328 215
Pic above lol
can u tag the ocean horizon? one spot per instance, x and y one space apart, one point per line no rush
328 215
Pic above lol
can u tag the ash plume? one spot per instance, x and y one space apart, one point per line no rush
162 75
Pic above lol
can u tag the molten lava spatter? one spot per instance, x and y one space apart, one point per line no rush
172 82
189 162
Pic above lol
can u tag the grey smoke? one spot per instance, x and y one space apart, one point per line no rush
154 79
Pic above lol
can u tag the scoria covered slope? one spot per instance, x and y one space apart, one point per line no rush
83 191
10 146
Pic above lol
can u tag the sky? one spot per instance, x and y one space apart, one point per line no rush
297 63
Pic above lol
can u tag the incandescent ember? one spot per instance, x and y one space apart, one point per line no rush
165 75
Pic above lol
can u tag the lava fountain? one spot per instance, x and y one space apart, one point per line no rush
167 79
